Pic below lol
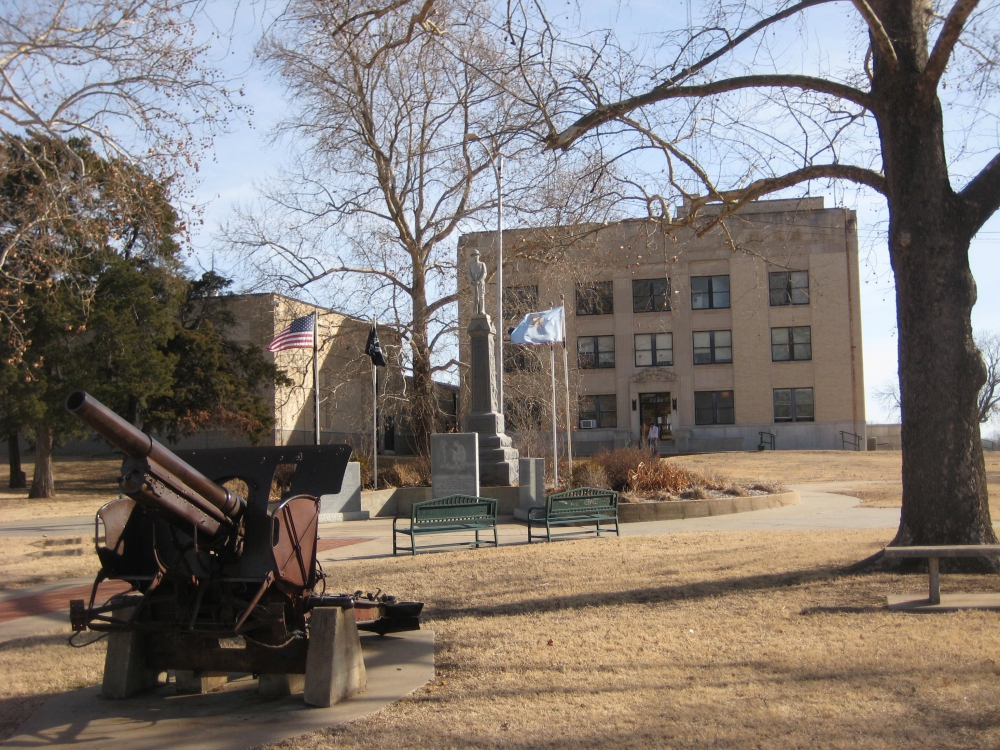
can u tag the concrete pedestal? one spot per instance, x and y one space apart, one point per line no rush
125 674
280 685
497 459
198 683
532 486
335 668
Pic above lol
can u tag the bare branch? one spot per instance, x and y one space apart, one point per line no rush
605 113
982 195
945 43
878 32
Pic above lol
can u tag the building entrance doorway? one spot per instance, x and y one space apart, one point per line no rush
654 409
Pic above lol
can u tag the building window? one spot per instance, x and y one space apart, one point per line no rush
595 298
598 411
793 404
714 407
654 349
650 295
791 344
596 352
789 288
709 292
713 347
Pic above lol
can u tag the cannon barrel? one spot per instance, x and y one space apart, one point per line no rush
223 504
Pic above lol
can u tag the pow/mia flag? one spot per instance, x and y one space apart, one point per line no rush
374 349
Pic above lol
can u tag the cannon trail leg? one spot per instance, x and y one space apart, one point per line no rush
335 668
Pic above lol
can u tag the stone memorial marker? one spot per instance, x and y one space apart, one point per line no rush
531 472
346 504
455 464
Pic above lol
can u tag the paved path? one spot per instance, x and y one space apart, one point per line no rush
44 609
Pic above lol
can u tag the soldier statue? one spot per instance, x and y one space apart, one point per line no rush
477 280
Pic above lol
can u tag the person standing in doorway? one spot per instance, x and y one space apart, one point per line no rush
653 436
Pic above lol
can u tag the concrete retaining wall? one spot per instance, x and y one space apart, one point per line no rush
393 502
678 509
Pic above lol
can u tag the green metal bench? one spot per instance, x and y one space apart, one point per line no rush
582 506
452 513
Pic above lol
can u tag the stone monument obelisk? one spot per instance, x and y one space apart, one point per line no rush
497 460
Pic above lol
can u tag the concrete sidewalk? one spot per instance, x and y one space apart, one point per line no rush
353 540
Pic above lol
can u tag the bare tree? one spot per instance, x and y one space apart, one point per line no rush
400 114
989 395
734 113
887 396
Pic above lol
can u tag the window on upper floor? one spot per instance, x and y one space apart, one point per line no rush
650 295
714 407
654 349
712 347
788 288
598 411
595 298
793 405
709 292
788 344
595 352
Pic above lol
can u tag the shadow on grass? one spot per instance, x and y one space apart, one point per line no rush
648 595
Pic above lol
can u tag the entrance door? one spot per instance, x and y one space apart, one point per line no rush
654 408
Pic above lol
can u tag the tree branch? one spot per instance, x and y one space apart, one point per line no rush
604 113
878 32
946 41
982 195
733 200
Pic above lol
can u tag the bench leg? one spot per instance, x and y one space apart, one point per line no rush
413 544
477 538
496 537
935 580
598 527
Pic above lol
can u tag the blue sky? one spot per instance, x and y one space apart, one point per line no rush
246 156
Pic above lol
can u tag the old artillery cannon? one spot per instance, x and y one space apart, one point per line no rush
221 583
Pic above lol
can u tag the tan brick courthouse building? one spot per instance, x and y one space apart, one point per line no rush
715 342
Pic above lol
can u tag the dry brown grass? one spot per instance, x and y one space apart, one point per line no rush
28 561
798 467
739 639
82 486
734 639
35 669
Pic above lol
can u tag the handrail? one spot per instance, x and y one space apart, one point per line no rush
855 442
769 438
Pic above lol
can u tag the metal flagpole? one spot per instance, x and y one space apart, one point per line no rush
316 376
555 433
499 341
569 434
375 415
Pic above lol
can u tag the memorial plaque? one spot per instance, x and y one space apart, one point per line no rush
346 504
531 473
455 464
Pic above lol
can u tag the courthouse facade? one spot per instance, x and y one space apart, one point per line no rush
715 339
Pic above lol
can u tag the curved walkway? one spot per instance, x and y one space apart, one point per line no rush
820 509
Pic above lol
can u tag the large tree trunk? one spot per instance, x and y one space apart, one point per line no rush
423 406
42 483
18 481
940 370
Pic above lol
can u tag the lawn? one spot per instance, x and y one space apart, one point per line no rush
727 639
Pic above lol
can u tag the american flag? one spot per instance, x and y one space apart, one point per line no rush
299 335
